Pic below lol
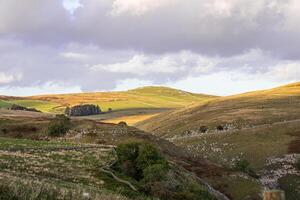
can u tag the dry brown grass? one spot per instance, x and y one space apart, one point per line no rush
255 108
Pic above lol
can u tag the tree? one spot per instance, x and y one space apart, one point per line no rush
67 110
140 160
59 126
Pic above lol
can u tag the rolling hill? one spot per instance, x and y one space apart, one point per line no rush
71 164
238 111
261 128
137 104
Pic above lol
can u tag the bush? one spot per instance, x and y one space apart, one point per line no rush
127 154
244 166
148 155
154 173
139 159
122 124
203 129
220 128
59 126
154 176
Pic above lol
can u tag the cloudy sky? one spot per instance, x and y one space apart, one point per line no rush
210 46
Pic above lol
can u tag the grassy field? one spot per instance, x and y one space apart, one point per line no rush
4 104
147 97
29 130
151 100
60 169
44 106
70 167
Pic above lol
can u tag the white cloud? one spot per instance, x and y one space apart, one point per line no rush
8 78
142 65
72 5
131 83
285 71
73 55
47 88
136 7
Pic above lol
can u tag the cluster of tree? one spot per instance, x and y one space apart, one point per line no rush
18 107
83 110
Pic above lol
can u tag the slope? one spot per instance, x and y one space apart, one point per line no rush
258 132
238 111
130 106
146 97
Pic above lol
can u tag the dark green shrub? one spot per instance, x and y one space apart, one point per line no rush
203 129
59 126
154 173
148 155
127 155
220 128
122 124
135 158
244 166
127 152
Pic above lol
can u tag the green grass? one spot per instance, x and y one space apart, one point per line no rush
44 106
4 104
10 143
147 97
155 99
58 169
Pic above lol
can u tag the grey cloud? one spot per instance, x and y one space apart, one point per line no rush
41 42
211 27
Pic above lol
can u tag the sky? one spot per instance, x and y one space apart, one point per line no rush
219 47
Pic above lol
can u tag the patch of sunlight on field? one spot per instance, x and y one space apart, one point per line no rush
130 120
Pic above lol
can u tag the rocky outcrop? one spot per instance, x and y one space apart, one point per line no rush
18 107
83 110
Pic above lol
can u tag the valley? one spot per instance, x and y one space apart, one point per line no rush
231 147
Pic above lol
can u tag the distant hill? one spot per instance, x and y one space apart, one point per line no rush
146 97
253 108
139 104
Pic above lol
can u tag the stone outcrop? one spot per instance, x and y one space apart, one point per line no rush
83 110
